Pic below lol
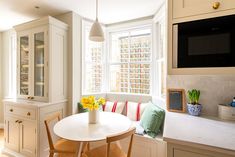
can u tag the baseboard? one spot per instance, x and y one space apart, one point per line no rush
1 125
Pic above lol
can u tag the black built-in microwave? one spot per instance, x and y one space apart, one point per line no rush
205 43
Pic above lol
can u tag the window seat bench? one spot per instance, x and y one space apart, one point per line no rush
143 145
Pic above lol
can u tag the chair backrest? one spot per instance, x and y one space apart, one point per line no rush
130 133
47 122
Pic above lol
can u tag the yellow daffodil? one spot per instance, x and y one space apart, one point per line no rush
91 103
101 101
84 100
96 106
91 99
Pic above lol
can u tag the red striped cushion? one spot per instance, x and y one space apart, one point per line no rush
134 110
116 106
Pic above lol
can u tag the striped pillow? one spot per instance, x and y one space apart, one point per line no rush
116 106
134 110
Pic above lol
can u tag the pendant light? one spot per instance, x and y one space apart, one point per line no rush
96 32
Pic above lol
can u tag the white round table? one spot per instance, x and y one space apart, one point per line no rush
77 128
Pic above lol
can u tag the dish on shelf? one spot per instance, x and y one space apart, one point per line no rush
24 65
25 83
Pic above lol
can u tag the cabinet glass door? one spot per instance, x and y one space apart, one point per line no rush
24 65
39 60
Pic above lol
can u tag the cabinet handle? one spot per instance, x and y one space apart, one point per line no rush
28 114
19 121
11 110
16 121
216 5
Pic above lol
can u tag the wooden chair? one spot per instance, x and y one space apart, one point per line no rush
64 148
112 149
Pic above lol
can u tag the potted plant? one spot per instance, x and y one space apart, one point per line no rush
194 108
93 105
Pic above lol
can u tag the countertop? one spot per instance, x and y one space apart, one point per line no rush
28 103
205 131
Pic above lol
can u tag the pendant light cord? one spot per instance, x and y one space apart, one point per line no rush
96 10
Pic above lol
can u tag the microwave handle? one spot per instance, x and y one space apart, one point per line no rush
175 46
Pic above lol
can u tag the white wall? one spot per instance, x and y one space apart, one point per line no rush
9 63
8 67
1 90
74 59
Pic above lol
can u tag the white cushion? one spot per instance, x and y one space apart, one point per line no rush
116 107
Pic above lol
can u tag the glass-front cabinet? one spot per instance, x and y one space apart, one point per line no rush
42 60
32 67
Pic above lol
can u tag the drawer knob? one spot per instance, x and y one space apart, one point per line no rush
28 114
16 121
19 121
216 5
31 97
11 110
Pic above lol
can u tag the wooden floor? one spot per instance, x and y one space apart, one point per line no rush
2 143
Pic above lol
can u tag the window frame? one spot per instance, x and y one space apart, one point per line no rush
146 24
85 24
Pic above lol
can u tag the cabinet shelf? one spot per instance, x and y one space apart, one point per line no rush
40 47
24 87
24 73
39 65
40 83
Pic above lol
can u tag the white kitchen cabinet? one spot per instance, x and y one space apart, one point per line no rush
185 8
182 153
187 150
25 132
21 136
20 133
42 51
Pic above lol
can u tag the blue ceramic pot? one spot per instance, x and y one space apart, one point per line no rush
194 110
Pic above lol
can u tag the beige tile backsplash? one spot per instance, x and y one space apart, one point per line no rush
214 89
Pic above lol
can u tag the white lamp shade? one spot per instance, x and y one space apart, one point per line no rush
96 32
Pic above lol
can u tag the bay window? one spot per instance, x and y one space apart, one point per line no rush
125 62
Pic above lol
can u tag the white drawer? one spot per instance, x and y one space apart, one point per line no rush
19 111
226 112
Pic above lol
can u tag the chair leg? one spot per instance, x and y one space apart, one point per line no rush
51 155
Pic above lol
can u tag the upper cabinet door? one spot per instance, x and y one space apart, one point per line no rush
39 84
24 56
185 8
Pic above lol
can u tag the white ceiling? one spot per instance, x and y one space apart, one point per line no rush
13 12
